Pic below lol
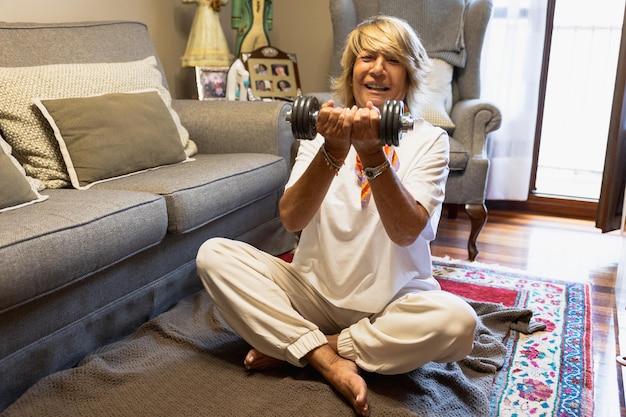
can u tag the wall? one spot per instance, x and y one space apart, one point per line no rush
300 26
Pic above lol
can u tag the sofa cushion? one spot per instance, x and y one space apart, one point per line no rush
211 186
110 135
71 236
27 131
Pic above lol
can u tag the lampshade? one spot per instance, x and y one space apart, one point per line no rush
207 44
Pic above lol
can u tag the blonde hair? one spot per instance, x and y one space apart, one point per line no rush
397 40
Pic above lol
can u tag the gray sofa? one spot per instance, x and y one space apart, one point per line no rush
87 267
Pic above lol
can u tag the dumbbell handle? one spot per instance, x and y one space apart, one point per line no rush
406 120
313 116
393 120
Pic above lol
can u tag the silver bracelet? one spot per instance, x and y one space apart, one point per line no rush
331 162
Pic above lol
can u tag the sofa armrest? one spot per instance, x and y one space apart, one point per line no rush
474 119
237 126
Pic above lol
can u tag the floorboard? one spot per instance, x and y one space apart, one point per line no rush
568 250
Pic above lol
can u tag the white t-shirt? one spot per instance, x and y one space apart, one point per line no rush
345 252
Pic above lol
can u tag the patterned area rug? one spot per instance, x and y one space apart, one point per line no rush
546 373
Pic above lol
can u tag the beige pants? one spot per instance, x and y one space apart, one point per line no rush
278 313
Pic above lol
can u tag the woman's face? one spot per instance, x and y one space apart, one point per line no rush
378 78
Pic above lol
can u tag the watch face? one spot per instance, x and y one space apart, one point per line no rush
373 172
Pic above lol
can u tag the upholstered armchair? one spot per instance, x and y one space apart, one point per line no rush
452 32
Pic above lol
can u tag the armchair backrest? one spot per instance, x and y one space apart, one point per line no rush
31 44
452 30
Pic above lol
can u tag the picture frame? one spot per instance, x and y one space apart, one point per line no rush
273 73
211 82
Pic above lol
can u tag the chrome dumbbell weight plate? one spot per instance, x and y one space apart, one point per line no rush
393 120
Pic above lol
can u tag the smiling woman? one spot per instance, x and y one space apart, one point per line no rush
361 281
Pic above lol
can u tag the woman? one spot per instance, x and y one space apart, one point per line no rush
359 293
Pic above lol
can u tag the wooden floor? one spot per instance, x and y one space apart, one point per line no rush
564 249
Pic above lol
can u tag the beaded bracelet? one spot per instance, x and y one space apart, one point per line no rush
331 162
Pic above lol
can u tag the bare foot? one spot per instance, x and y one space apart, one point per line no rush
257 360
343 374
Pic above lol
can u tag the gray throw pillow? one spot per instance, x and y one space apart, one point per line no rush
107 136
15 190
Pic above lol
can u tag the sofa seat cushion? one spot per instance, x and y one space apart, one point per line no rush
458 155
209 187
72 235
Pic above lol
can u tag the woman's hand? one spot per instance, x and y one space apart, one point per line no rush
365 135
335 124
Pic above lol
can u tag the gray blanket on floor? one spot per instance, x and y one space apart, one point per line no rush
188 362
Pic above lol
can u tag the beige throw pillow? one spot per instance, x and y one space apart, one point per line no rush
25 128
439 95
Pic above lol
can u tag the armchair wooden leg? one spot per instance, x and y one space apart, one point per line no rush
478 217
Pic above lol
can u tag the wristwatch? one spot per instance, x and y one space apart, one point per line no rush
371 173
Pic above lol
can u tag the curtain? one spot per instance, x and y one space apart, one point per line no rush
510 74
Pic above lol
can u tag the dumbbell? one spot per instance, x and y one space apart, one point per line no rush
393 120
